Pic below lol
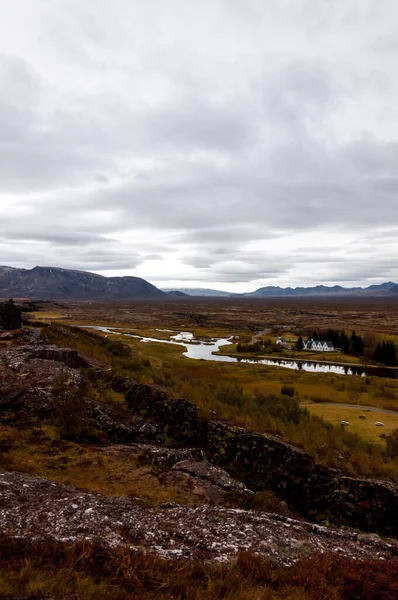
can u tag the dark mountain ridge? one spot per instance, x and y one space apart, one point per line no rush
321 290
54 283
275 291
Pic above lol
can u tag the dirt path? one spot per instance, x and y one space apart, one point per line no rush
260 334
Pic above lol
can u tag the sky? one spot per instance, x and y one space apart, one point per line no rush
228 144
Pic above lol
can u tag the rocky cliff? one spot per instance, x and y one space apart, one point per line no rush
265 462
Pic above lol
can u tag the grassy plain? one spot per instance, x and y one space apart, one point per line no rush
244 319
360 420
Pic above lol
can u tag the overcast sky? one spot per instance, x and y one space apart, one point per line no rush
221 143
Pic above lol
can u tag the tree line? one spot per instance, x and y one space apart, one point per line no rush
383 352
386 353
352 344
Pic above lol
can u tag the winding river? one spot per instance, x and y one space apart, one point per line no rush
205 350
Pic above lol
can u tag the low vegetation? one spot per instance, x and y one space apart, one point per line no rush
88 572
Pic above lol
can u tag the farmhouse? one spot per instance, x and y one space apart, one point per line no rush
318 346
282 342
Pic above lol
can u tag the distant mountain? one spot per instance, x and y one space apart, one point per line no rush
178 294
53 283
322 290
382 287
298 291
199 292
4 269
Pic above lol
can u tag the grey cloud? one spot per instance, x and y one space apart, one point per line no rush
28 254
194 133
387 45
153 257
62 238
100 178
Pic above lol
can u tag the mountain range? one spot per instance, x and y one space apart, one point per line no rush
279 292
322 290
54 283
198 292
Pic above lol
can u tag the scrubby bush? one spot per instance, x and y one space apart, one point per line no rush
283 409
70 411
287 390
64 570
117 349
231 394
392 444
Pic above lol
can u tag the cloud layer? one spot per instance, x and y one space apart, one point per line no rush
233 144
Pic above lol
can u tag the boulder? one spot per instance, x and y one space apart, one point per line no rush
70 358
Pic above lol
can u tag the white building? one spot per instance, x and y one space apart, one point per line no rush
318 346
282 342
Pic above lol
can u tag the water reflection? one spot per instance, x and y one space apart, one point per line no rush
204 350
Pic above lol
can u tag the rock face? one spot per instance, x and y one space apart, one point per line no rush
10 316
179 418
66 356
29 381
36 508
315 491
263 462
187 470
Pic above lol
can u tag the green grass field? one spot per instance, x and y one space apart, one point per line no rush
364 427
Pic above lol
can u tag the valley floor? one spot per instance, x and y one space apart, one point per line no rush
114 486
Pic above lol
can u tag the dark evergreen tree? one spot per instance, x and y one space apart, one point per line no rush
299 344
386 353
345 342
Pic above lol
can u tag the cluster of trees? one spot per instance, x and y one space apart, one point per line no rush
263 346
256 347
383 352
352 344
386 353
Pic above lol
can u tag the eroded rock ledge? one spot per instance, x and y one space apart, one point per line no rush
36 508
265 462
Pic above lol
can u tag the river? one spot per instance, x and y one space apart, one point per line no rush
205 350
